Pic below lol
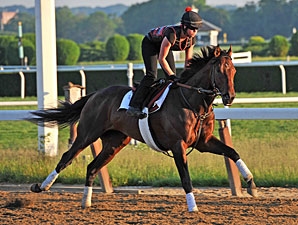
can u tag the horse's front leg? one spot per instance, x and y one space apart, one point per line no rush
179 153
215 146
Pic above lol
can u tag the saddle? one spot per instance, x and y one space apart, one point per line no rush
156 91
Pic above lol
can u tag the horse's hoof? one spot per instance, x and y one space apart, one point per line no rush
194 209
252 188
86 206
35 188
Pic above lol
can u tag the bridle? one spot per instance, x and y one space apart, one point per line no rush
201 117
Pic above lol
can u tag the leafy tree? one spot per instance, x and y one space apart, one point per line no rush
279 46
30 37
219 17
117 48
4 42
97 27
140 18
28 23
13 56
135 42
68 52
257 45
243 23
93 51
270 11
66 23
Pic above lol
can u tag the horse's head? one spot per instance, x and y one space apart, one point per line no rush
212 69
222 74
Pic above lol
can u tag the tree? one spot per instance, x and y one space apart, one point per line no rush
66 23
13 48
140 18
244 23
97 27
117 48
270 12
257 45
279 46
4 42
93 51
28 23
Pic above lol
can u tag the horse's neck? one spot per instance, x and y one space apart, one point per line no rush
201 79
201 101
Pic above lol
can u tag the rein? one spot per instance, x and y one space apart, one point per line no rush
214 92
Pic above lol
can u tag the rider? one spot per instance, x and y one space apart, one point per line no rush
159 44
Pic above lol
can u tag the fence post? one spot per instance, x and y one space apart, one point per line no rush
130 74
22 76
232 170
73 93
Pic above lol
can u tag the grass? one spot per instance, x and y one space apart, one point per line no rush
268 147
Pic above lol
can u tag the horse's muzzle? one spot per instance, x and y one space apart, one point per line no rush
227 99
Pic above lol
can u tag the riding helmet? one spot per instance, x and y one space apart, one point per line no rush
191 19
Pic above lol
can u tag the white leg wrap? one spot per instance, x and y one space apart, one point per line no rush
48 182
86 201
191 203
244 170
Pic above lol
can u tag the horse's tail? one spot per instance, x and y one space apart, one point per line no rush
63 116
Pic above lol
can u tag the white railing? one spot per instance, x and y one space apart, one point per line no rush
216 101
129 68
220 114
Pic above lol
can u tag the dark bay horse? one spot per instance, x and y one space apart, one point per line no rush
185 120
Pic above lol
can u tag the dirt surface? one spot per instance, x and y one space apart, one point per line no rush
136 205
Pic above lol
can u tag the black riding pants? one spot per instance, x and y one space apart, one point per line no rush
150 53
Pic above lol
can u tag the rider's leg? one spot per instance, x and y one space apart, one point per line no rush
150 53
136 102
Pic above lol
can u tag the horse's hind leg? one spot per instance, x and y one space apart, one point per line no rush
78 146
112 143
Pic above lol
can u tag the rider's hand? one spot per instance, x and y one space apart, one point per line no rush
173 78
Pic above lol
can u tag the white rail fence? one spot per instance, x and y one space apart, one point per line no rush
240 61
220 114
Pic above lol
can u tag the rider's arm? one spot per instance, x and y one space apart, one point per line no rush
188 55
163 52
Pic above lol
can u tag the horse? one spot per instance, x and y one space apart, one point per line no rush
185 120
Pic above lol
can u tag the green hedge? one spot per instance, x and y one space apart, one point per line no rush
117 48
68 52
135 42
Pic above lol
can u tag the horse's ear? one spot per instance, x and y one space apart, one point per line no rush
217 51
230 51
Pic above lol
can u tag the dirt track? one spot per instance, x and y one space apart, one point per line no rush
148 206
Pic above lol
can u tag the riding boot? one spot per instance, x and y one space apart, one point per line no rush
136 102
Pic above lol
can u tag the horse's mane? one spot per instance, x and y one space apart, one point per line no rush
199 60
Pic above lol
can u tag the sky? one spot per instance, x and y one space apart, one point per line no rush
104 3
